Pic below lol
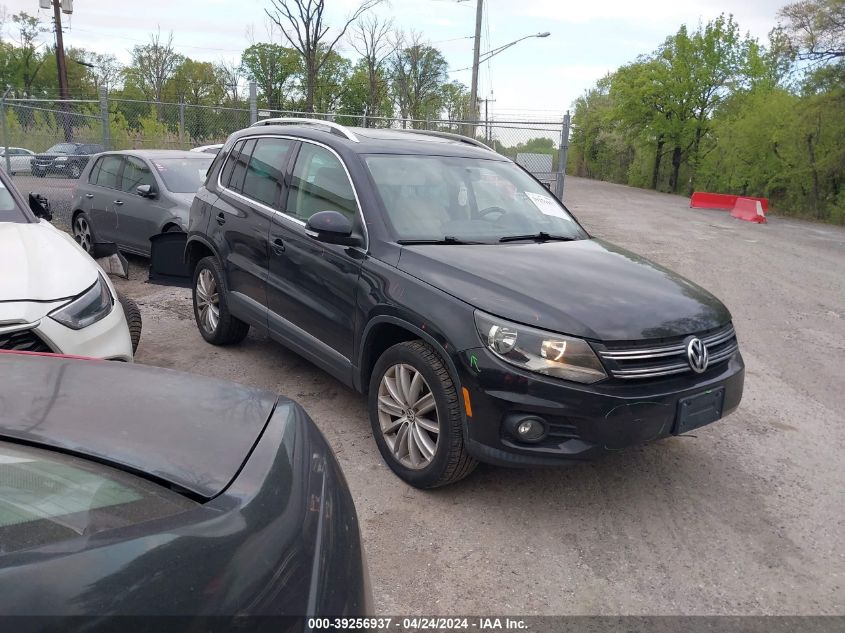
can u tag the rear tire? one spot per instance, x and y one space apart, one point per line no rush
211 309
133 319
83 232
422 444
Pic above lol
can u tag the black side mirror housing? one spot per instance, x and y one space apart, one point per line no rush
332 227
145 191
40 206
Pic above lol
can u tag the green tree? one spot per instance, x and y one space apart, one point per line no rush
272 67
418 73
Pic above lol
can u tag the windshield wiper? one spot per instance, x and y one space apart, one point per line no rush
447 239
542 236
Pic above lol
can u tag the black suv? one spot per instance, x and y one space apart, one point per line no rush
68 159
441 279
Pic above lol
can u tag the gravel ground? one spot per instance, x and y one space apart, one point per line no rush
746 518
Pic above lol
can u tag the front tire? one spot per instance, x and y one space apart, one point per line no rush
83 232
416 416
133 319
74 170
211 309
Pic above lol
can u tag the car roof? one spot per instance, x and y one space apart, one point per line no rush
192 432
380 141
153 154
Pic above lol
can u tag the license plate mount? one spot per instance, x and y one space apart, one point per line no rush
698 410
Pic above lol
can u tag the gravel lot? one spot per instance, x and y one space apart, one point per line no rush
747 518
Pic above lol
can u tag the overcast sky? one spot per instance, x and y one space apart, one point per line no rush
540 77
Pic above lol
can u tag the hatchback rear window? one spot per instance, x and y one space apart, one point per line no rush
48 497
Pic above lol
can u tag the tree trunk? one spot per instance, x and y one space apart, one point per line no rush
812 155
694 163
311 78
658 156
676 168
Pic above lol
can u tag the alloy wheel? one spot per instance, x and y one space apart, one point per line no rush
407 415
208 301
75 171
82 233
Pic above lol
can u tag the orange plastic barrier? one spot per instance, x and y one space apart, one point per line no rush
704 200
749 209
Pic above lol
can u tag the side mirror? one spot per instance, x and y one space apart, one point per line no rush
145 191
40 206
332 227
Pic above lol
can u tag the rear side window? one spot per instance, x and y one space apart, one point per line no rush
264 177
236 182
47 497
136 173
109 172
319 183
226 174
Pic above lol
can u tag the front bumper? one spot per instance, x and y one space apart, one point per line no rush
49 168
584 421
108 338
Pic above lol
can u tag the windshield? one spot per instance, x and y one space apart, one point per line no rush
46 497
468 199
62 148
183 175
9 210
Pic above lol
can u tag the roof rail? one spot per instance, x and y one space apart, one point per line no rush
455 137
333 127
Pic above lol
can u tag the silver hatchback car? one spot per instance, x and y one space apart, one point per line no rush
127 197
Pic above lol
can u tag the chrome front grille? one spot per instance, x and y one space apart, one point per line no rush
665 360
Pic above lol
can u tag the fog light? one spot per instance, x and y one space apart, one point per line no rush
530 429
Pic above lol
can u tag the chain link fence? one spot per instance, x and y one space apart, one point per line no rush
35 129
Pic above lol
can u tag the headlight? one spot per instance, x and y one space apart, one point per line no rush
539 351
89 307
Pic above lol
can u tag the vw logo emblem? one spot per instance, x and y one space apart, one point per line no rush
697 355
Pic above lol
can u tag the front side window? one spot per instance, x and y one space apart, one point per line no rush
46 498
109 172
265 173
9 211
136 173
469 199
320 183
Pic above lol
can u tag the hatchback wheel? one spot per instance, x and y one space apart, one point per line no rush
83 233
416 416
211 310
74 171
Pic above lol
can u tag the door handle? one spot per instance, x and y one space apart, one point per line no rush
119 203
278 246
221 219
89 195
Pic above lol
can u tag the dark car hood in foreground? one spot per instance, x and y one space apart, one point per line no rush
586 288
188 430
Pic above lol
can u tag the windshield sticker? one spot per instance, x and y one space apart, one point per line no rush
546 205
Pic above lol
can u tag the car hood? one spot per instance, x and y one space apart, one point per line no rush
188 430
46 156
40 263
586 288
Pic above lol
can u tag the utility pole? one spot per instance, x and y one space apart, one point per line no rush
62 67
476 53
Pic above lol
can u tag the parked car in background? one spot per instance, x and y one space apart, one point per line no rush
127 197
66 159
438 277
53 296
19 160
134 490
209 149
